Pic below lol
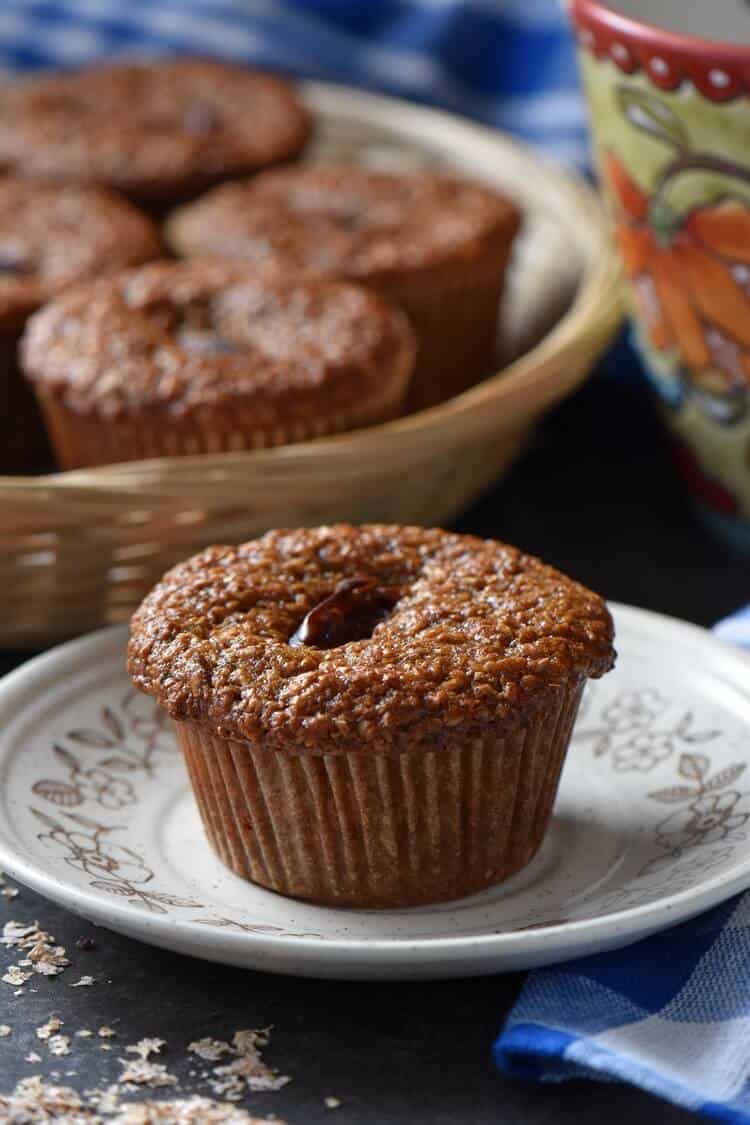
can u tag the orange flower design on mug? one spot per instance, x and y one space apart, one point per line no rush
691 280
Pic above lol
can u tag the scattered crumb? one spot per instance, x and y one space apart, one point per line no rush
33 1057
209 1049
105 1046
35 1100
83 982
143 1072
49 1028
106 1032
84 1033
5 891
59 1045
15 975
189 1111
247 1071
4 1030
146 1047
43 955
332 1103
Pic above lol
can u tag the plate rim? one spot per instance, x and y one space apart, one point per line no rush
621 925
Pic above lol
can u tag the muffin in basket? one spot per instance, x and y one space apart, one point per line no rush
158 131
372 716
51 237
202 357
435 245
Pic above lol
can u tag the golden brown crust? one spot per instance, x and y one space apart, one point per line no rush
157 131
481 637
51 237
345 221
181 337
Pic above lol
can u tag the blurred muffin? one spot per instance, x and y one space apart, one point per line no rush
202 357
51 237
373 716
435 245
159 131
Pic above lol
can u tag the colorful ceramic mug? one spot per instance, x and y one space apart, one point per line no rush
668 86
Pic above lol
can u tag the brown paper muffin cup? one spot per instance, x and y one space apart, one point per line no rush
81 440
454 312
359 829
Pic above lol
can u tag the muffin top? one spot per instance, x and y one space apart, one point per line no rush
51 237
382 638
158 131
345 221
181 336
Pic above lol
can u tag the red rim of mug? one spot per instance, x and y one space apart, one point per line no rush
721 71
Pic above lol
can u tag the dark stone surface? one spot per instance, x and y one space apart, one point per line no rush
594 495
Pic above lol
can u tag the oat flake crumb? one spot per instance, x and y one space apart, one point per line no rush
247 1071
4 1030
209 1049
34 1100
83 982
146 1047
188 1111
32 1057
332 1103
84 1033
59 1045
49 1028
106 1032
15 975
142 1072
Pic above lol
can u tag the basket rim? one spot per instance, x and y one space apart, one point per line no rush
592 317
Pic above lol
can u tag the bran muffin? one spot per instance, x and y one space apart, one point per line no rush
158 131
179 358
51 237
371 716
433 244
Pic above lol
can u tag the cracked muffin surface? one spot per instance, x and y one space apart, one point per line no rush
469 635
159 131
184 336
51 237
331 220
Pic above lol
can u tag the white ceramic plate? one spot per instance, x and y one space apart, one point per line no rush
651 825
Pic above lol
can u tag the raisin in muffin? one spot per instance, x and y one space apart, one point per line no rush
372 716
435 245
51 237
159 131
192 357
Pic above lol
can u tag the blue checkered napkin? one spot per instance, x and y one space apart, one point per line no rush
670 1014
507 62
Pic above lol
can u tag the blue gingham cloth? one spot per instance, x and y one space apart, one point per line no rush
670 1014
506 62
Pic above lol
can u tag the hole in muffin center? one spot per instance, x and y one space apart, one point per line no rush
193 328
350 613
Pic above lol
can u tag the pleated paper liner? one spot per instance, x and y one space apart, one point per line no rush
454 313
369 830
81 440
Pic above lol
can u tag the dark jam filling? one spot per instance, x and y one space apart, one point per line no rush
350 613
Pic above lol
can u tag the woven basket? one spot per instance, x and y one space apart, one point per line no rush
79 549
